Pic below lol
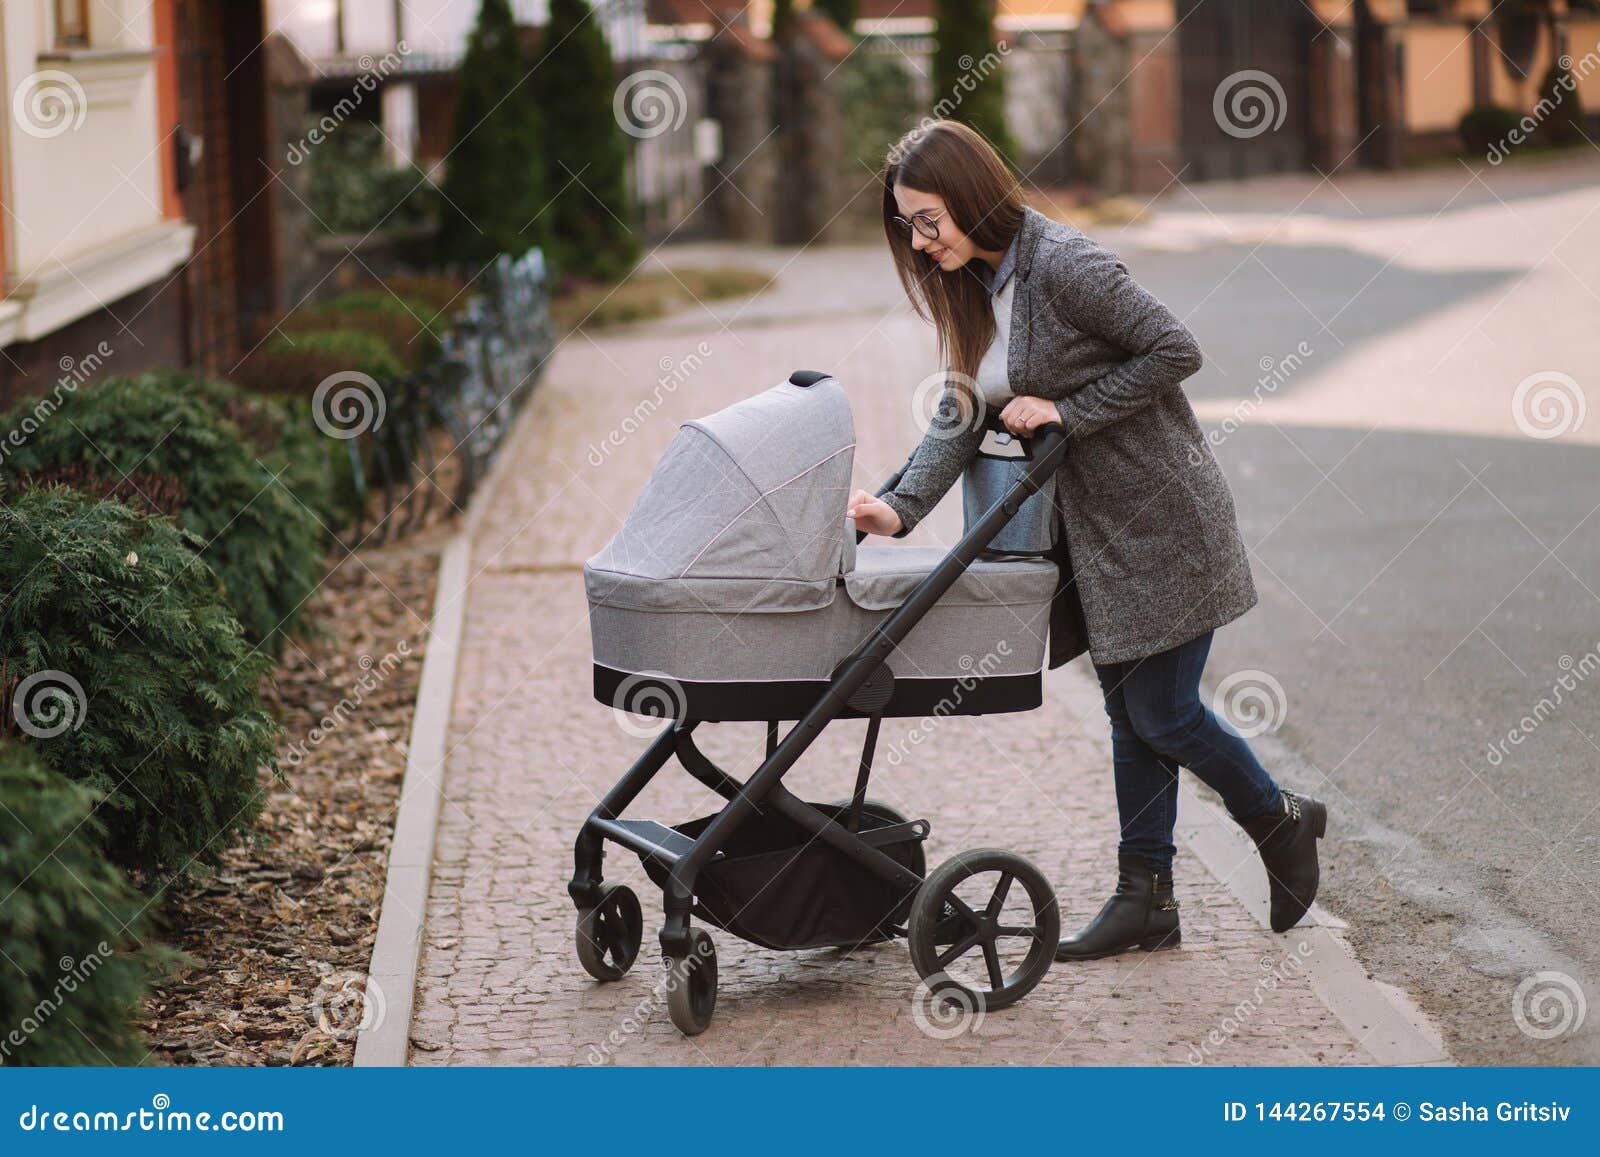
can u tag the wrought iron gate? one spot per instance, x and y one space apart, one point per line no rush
1246 96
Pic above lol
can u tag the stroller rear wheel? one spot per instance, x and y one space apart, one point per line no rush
974 940
692 985
609 934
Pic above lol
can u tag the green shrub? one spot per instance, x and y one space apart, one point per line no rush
293 366
285 440
69 924
170 726
264 545
435 296
841 12
1561 123
585 150
879 106
354 187
1487 126
968 78
405 328
494 185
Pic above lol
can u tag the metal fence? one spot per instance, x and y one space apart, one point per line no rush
491 358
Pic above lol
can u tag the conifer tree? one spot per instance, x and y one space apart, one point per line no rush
968 77
494 186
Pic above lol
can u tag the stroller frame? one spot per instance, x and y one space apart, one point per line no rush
862 680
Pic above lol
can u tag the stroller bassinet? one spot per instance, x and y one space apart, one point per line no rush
735 587
735 590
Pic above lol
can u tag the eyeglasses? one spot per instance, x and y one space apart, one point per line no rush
924 223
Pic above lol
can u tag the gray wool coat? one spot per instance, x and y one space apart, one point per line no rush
1149 551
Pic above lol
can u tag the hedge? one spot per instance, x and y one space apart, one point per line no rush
158 688
264 545
70 925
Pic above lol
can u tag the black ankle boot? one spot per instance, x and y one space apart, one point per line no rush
1287 842
1140 914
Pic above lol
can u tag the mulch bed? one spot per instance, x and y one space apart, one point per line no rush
279 938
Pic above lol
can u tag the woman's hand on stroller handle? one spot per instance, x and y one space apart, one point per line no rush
872 514
1025 415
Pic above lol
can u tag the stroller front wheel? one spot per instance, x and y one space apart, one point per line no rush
609 934
692 985
974 940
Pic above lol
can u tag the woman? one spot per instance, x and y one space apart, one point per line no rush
1035 317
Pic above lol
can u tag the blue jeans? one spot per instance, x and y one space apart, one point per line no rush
1158 724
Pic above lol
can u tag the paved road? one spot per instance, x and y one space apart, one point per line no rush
531 752
1428 573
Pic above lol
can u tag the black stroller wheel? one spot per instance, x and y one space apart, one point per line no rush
973 940
609 934
692 985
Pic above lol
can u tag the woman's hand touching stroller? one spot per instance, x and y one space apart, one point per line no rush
873 515
1025 415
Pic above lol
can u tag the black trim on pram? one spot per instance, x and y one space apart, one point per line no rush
940 925
712 701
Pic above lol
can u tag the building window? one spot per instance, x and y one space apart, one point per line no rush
72 23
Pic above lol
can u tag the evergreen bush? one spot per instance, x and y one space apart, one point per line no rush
264 545
585 149
1487 126
968 77
494 185
841 12
70 925
401 325
354 187
294 365
159 709
1562 123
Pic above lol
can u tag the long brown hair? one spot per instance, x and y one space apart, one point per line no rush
984 201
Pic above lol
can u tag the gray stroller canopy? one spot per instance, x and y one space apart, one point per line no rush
744 512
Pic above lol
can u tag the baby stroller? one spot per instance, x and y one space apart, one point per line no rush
735 590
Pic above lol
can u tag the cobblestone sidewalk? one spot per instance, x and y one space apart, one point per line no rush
532 752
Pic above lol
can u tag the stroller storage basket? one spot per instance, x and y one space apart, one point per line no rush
778 886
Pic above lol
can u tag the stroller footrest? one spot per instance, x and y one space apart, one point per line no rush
647 837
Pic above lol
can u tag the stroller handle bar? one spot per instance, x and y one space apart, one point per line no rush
1039 446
